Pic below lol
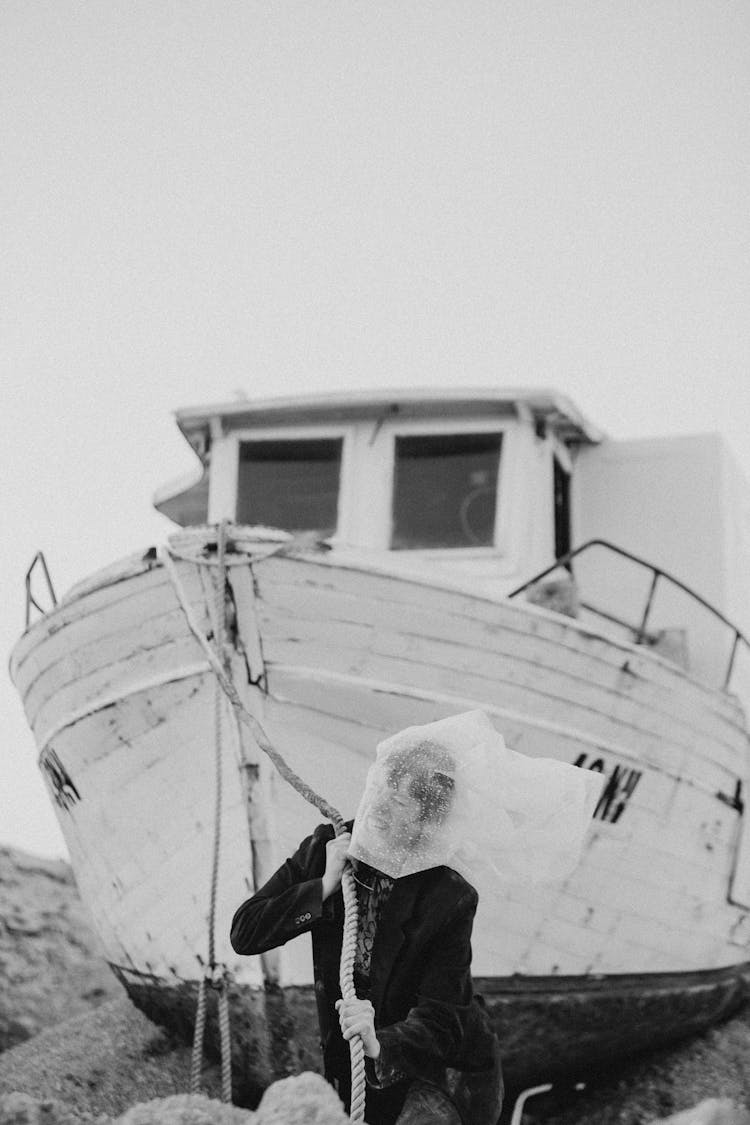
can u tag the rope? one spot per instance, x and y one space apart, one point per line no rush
259 735
226 1044
217 833
346 971
200 560
211 978
196 1060
346 981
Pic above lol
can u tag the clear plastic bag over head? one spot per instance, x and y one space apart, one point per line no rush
452 793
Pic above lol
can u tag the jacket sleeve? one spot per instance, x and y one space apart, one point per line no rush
289 903
433 1031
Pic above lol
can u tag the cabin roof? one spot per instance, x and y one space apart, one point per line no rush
544 405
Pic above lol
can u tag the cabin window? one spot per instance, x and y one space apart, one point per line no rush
561 484
293 485
445 490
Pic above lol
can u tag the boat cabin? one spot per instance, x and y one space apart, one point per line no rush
448 477
487 489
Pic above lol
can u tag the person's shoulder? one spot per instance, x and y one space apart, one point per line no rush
316 840
325 831
319 837
462 886
449 883
310 852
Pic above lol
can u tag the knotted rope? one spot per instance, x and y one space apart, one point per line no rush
346 971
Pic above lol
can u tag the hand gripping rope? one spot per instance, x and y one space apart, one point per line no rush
346 970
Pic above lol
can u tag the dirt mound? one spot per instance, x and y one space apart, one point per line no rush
103 1062
303 1100
78 1041
51 963
713 1065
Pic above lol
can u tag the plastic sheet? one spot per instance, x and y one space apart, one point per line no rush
452 793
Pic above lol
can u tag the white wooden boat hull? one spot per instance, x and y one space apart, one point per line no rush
332 656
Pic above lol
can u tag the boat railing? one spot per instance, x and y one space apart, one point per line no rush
640 631
38 560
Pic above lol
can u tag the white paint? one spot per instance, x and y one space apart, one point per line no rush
103 702
672 502
222 485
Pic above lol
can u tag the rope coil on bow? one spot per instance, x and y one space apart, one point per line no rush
346 974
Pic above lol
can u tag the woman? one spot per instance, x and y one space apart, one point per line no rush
431 1055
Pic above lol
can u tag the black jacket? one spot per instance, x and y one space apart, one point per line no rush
426 1016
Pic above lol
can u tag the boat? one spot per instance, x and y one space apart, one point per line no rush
366 561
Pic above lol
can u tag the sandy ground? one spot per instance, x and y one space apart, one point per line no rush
103 1062
51 963
114 1057
107 1056
713 1065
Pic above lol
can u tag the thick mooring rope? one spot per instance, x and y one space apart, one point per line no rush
196 1059
212 977
346 971
226 1042
348 992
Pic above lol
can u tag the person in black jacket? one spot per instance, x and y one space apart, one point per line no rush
431 1055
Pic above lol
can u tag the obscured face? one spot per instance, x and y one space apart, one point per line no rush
395 816
402 814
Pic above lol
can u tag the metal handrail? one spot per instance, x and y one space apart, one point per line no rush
30 599
640 632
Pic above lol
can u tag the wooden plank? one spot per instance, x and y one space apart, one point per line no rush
73 608
679 707
115 574
489 611
383 703
115 673
86 639
132 720
617 697
93 619
169 854
640 748
512 636
662 742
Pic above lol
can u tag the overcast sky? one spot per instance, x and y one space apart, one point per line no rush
204 197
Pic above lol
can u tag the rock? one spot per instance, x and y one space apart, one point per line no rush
712 1111
51 963
186 1109
303 1100
103 1062
22 1109
306 1099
